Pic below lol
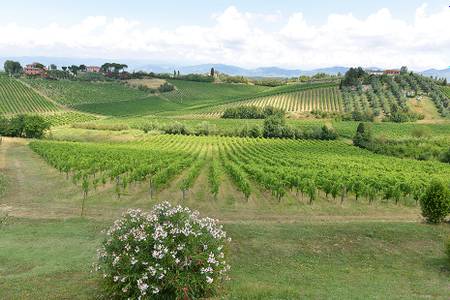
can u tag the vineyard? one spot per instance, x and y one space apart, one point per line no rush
283 167
16 98
69 117
326 99
384 96
446 91
191 93
72 93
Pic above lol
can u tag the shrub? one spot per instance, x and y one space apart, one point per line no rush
328 133
273 127
176 128
435 202
29 126
166 87
149 126
252 112
170 253
363 137
204 128
35 127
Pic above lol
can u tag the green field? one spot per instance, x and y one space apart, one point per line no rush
327 99
112 98
279 250
69 117
309 219
17 98
73 93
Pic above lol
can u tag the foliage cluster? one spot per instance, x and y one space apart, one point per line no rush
169 253
252 112
28 126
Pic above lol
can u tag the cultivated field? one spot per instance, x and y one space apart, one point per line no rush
15 98
309 218
73 93
326 244
278 166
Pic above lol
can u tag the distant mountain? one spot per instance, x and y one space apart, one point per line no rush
445 73
159 67
234 70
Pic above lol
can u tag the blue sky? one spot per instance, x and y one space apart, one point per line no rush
249 33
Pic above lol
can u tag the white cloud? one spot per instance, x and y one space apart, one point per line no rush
249 39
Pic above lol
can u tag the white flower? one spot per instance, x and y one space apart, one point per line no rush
142 285
209 280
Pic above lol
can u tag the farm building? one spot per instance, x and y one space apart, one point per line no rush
93 69
392 72
34 69
374 72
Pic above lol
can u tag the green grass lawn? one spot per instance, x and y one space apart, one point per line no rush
51 259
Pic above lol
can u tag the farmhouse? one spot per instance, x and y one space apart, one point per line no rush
93 69
34 69
392 72
374 72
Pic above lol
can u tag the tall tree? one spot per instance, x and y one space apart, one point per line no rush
212 72
74 69
363 137
404 70
12 67
39 65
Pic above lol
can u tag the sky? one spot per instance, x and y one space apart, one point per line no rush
290 34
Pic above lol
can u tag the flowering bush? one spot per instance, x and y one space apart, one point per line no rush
169 253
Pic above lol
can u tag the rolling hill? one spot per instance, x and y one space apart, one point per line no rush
16 98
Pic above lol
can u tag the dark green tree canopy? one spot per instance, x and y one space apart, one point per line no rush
12 67
435 202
